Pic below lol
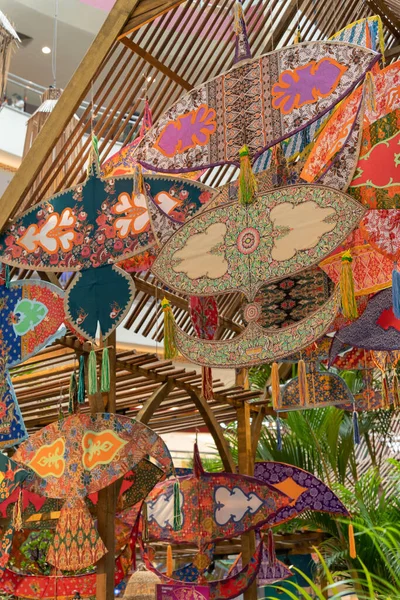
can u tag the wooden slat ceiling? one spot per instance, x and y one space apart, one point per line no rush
42 383
193 43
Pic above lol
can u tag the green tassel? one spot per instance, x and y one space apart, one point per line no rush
8 276
92 373
81 382
247 179
177 507
105 371
170 350
73 394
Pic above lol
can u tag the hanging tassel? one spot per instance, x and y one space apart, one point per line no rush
170 561
138 184
385 391
247 180
303 383
177 507
275 386
370 95
105 371
271 548
349 305
60 411
395 390
145 523
8 276
352 542
81 381
242 46
356 430
278 435
170 350
73 394
297 36
92 373
396 293
207 383
94 157
17 514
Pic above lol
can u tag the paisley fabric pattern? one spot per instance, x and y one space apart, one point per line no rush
256 344
213 507
5 547
308 492
376 182
372 271
76 544
324 388
292 299
12 476
84 453
234 247
376 329
381 228
258 103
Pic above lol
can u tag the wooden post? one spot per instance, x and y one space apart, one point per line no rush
107 497
246 467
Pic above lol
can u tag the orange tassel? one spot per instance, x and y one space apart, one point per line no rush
275 385
17 514
170 561
303 384
352 542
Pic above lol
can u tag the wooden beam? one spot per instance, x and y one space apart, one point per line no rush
154 62
147 11
387 16
393 52
215 429
256 426
246 467
68 103
153 403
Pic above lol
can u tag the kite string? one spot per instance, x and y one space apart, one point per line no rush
55 41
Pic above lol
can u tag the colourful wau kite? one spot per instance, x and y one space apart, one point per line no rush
212 507
376 329
76 457
307 491
241 248
258 102
91 227
31 315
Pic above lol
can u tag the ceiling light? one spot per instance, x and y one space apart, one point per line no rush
46 50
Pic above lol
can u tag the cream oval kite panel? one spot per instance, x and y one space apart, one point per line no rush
234 247
257 345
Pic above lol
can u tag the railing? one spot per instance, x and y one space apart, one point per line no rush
25 96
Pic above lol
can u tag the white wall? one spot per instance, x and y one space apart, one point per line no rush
12 131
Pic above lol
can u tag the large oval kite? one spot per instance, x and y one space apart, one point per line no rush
258 102
234 247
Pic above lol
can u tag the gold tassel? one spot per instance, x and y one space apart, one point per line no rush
352 542
297 36
370 95
170 561
275 385
349 305
247 179
395 390
170 350
17 514
237 15
138 184
303 383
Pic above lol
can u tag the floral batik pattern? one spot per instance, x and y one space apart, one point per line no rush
235 247
84 453
258 103
77 544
